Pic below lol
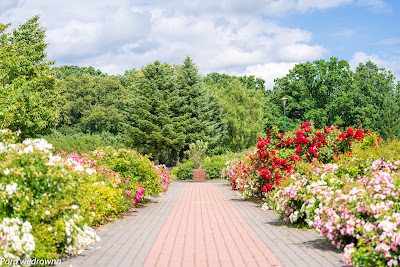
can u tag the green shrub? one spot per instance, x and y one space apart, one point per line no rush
105 200
184 170
82 143
214 166
133 168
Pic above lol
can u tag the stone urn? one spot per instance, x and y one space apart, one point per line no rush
199 175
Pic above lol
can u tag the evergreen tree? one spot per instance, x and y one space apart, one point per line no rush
150 124
199 112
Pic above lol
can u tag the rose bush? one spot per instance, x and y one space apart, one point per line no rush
347 187
275 157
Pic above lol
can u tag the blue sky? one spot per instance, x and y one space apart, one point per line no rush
264 38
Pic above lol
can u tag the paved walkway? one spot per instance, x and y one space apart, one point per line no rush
205 224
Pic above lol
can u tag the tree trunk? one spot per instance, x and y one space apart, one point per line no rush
157 158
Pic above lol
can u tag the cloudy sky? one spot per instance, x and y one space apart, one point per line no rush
264 38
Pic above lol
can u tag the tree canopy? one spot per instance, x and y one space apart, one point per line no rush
27 87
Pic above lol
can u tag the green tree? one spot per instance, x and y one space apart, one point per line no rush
320 92
65 71
199 112
375 98
27 87
91 104
243 110
150 124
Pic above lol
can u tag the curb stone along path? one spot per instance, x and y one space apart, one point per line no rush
293 247
128 241
205 229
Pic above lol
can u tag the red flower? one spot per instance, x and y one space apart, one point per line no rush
270 131
299 134
277 176
342 136
359 132
288 142
283 162
310 149
350 131
269 186
298 149
315 139
315 155
326 130
318 134
360 123
260 144
322 139
263 189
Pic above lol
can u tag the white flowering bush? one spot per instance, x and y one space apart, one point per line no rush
40 211
16 239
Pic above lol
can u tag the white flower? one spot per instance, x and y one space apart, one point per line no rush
11 188
50 228
6 171
79 168
89 171
26 227
74 207
28 149
47 212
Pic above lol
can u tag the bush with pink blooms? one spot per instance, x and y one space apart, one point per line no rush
123 179
348 190
353 202
51 202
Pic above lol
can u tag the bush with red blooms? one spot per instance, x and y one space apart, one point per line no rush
275 157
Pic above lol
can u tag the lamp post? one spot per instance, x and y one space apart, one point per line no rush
284 100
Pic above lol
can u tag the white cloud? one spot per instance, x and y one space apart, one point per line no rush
393 64
231 36
270 71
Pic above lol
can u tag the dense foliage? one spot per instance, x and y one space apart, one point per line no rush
27 88
49 203
90 104
329 93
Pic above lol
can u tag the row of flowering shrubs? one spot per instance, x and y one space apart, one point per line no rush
264 168
49 203
349 192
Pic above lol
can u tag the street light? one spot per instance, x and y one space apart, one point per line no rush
284 100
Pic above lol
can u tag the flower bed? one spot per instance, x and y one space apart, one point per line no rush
275 157
49 203
349 193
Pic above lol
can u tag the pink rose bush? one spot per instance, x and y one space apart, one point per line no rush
358 213
314 179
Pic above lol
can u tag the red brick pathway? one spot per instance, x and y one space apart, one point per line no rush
205 229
